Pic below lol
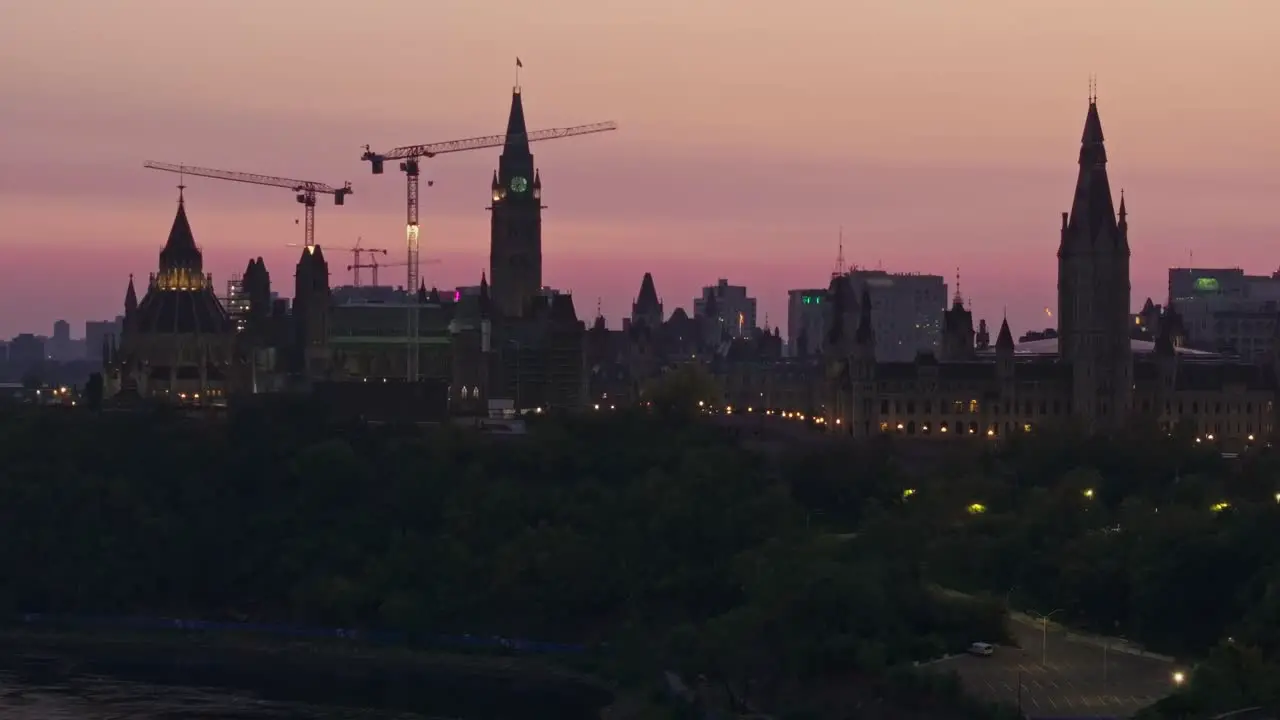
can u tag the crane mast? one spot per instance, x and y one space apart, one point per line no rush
305 190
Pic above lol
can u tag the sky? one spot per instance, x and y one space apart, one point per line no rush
940 135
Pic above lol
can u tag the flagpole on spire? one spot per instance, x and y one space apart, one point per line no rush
518 66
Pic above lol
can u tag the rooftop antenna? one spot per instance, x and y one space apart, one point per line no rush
958 299
840 253
1093 89
598 313
182 184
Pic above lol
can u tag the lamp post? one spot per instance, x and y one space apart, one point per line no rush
1044 634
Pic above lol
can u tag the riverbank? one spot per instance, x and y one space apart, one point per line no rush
474 686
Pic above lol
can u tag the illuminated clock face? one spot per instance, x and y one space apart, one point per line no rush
519 184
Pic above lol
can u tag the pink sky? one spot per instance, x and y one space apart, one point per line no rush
938 133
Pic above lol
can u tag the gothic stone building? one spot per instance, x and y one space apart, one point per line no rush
1092 375
178 343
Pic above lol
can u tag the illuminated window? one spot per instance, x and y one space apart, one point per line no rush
973 407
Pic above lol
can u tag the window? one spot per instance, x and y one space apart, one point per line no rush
973 407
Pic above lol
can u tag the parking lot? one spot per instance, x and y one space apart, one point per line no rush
1076 679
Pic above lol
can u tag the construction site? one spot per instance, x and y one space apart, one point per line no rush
503 345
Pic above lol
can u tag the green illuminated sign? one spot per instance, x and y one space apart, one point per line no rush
811 299
1206 284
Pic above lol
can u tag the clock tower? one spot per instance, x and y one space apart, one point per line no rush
515 242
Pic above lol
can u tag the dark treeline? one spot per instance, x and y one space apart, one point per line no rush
653 538
1146 536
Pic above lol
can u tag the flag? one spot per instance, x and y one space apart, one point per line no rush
518 63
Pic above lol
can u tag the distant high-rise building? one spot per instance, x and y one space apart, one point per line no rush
806 321
728 306
906 311
99 334
1225 310
59 346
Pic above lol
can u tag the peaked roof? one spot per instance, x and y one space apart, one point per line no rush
517 132
648 298
1004 341
180 248
1092 209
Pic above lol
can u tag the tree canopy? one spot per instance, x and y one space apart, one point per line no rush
665 544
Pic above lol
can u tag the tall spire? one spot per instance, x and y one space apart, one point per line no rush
130 299
180 239
517 131
1092 209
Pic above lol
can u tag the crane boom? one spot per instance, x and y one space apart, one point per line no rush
253 178
488 141
306 189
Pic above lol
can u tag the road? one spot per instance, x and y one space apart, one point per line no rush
1077 678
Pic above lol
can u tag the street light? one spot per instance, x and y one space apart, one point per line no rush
1044 634
1179 677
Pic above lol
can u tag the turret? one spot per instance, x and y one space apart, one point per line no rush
130 303
1004 352
647 308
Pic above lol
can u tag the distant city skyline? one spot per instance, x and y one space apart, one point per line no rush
905 123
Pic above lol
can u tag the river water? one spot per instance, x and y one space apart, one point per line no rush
99 698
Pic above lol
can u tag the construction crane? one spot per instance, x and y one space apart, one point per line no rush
355 266
306 189
373 265
356 252
411 155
